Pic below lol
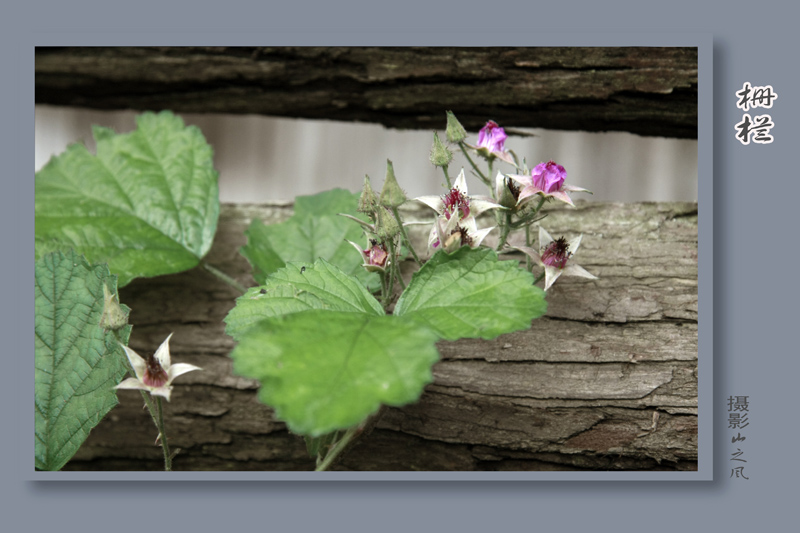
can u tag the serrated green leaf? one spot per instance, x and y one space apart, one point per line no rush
147 203
299 287
78 363
314 231
470 293
328 370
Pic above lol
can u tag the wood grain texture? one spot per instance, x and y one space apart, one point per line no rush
606 380
643 90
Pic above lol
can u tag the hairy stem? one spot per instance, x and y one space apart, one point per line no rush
406 240
163 435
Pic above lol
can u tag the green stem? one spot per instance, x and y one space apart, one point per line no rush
483 178
491 189
447 177
528 244
392 267
162 433
539 278
406 240
338 448
224 277
504 231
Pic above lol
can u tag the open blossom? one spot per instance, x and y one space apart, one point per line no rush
451 234
546 179
491 140
556 257
155 373
376 257
457 201
457 211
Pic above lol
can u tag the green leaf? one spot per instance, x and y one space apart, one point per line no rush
147 203
314 231
297 288
328 370
470 293
78 363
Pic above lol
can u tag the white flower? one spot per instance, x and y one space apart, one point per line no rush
457 201
555 257
450 235
154 374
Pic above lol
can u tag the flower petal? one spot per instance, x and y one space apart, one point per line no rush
132 383
544 238
164 391
136 361
479 204
574 243
551 274
180 369
162 354
479 235
577 270
562 196
434 202
572 188
529 192
461 183
530 252
522 179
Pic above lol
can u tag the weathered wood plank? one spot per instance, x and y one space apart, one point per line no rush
644 90
606 380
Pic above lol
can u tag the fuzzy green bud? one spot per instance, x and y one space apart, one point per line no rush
386 226
391 194
440 155
368 201
455 131
115 316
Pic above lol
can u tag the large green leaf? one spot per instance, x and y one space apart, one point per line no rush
328 370
471 294
147 203
78 363
314 231
299 287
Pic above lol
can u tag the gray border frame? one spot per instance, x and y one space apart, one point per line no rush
705 263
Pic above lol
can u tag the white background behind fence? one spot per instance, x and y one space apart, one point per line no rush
264 158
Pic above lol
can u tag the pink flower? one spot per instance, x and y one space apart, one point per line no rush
155 373
376 257
546 179
556 257
491 139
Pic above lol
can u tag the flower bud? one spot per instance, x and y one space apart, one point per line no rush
391 194
368 201
115 316
386 226
455 131
440 155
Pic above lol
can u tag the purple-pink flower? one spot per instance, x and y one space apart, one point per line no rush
546 179
376 257
491 140
492 137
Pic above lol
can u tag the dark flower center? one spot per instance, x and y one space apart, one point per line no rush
556 253
154 374
455 201
513 187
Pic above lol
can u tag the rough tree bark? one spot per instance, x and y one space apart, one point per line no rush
644 90
606 380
